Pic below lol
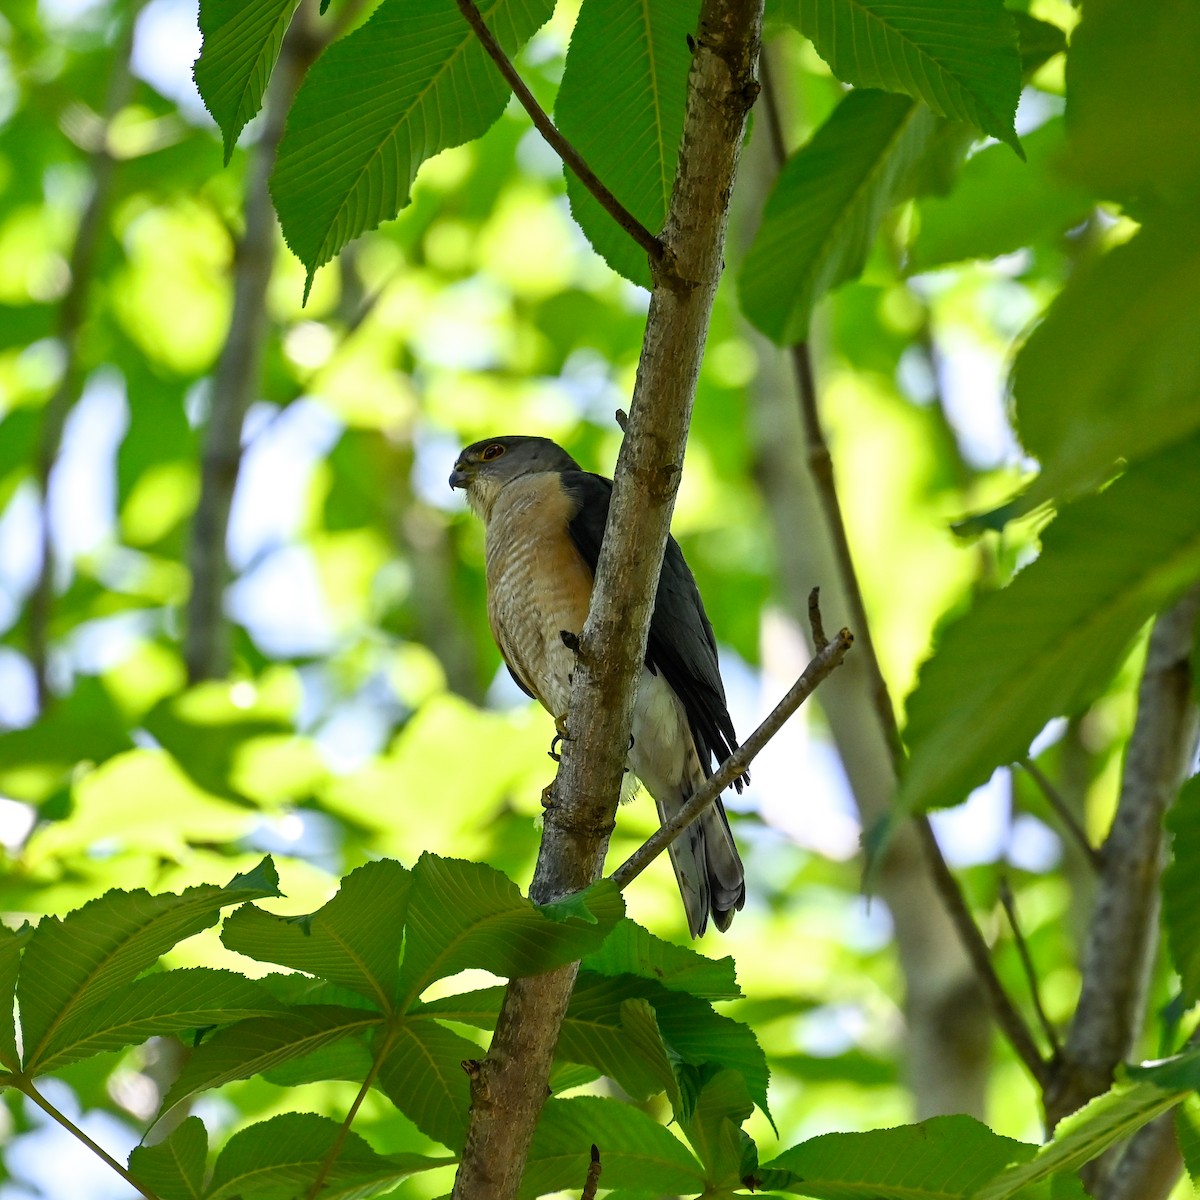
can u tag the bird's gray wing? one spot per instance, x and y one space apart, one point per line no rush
681 643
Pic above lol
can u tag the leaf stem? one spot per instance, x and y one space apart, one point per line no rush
558 143
1010 911
26 1088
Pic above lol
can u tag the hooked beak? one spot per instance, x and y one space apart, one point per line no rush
459 478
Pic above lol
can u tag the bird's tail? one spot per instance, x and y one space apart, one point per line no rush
708 870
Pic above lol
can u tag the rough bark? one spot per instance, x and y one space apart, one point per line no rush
509 1088
1123 931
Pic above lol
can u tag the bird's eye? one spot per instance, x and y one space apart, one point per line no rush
492 451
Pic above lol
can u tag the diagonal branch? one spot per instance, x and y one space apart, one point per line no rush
510 1087
826 661
559 144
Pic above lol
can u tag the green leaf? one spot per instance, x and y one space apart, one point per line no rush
958 57
1187 1133
1000 205
256 1045
423 1076
939 1159
1042 646
628 59
99 949
1181 889
1084 1134
411 82
463 914
241 44
171 1002
279 1158
636 1152
1133 102
1180 1071
353 941
1113 371
713 1124
174 1169
826 206
12 941
632 950
1038 41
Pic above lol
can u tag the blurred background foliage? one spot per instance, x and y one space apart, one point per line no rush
365 711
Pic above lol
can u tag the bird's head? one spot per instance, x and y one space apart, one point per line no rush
485 467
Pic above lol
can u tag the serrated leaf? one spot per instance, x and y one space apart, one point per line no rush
1000 205
279 1158
1113 371
463 914
12 941
826 206
91 953
1187 1134
628 59
631 950
174 1169
1181 889
1083 1135
939 1159
713 1123
412 81
353 941
1041 647
636 1152
1179 1072
422 1074
241 44
958 57
171 1002
251 1047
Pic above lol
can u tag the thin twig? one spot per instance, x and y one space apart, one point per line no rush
1010 911
1056 801
821 467
820 641
331 1155
592 1182
558 143
26 1087
824 664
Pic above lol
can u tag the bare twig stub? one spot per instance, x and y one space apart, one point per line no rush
828 659
557 142
1010 911
1062 809
511 1089
592 1182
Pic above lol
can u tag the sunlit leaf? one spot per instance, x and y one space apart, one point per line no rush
412 81
279 1158
628 59
464 914
12 941
1181 889
826 206
174 1168
713 1119
241 44
353 941
959 57
1042 647
632 950
96 951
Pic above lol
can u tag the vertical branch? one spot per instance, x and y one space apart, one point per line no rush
508 1091
1122 935
239 368
71 315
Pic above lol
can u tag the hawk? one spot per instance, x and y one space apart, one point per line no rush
545 518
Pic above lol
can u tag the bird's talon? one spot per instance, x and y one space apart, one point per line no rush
548 795
555 742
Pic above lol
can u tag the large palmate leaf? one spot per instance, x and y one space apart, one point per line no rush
92 953
959 57
159 1004
1181 889
241 44
636 1152
826 207
174 1169
353 941
629 60
939 1159
12 941
280 1157
632 950
463 914
412 81
1042 646
1113 372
